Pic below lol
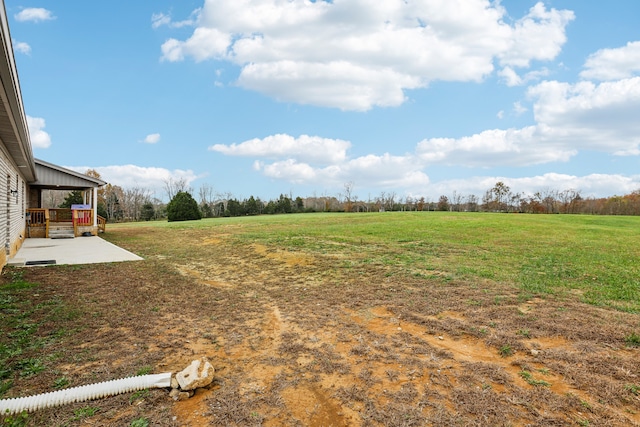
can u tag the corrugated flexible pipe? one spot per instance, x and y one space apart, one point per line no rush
83 393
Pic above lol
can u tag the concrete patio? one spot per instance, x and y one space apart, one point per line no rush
81 250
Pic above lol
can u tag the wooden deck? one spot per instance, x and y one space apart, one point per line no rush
42 222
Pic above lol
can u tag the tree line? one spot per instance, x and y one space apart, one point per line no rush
139 204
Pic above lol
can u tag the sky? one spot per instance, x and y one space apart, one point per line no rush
420 98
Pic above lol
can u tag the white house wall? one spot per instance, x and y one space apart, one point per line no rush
12 208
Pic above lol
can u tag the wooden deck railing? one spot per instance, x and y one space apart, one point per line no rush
60 215
81 218
38 218
102 224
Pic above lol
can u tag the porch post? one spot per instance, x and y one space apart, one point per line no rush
95 206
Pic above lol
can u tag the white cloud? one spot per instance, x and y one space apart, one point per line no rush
511 78
492 148
152 138
341 84
569 118
538 36
372 171
518 108
593 185
358 54
613 64
39 138
292 171
312 160
305 148
387 171
34 14
500 114
602 117
205 43
161 19
130 176
22 47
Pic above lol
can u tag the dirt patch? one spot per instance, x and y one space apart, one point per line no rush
298 339
289 258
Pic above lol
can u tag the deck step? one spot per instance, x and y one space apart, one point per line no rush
61 234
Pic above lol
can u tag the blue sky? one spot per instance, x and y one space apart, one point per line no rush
263 97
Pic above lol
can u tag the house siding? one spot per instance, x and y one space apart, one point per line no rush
12 209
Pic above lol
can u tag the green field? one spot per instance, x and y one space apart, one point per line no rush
594 257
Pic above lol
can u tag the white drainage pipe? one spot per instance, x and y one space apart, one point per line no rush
83 393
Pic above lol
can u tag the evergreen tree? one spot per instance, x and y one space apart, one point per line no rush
207 212
251 206
147 211
73 198
234 208
183 207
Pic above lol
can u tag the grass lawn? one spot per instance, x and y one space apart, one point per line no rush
404 318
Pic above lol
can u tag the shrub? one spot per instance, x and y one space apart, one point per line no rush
183 207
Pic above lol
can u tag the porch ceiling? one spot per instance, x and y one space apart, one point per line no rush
54 177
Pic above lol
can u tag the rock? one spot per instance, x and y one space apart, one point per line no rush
198 374
535 352
174 382
176 394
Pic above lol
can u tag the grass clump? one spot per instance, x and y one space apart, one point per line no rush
16 420
633 389
506 351
145 370
85 412
528 377
139 395
633 340
139 422
61 383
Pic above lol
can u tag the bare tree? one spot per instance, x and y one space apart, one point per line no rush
569 200
549 200
174 186
207 194
52 198
443 203
515 202
456 202
348 194
223 199
409 203
390 201
472 203
501 192
113 194
132 201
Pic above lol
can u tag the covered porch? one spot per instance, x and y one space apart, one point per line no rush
58 223
78 220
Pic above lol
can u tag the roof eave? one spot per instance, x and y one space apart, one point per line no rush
14 130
